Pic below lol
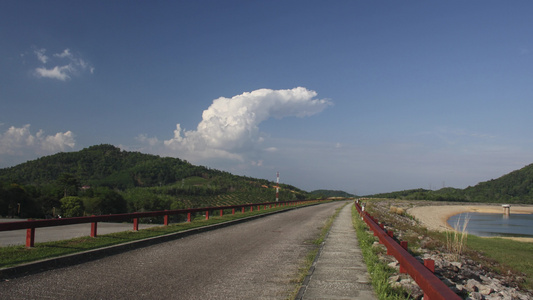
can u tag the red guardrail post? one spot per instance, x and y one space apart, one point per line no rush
430 264
165 220
207 215
30 237
189 217
94 229
221 212
233 211
135 224
391 235
243 209
405 246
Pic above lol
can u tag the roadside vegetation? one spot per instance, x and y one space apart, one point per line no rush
379 271
506 256
509 258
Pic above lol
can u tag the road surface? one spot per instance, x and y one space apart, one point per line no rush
58 233
253 260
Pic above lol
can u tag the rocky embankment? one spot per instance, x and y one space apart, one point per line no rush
465 276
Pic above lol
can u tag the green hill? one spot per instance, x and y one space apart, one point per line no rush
104 179
515 187
332 193
103 165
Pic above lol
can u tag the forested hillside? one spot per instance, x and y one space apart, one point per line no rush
104 179
515 187
331 193
104 165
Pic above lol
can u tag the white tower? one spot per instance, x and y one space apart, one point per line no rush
277 187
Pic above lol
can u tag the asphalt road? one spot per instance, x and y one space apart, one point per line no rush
253 260
57 233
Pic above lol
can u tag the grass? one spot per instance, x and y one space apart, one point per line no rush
378 270
505 255
456 239
16 255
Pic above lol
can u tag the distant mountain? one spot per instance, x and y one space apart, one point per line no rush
515 187
332 193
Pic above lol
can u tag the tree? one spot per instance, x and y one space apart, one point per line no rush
69 183
105 201
72 206
15 201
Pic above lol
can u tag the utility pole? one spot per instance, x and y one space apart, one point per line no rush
277 186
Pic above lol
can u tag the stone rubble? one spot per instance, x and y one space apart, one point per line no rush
465 277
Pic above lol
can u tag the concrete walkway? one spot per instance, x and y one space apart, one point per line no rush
339 271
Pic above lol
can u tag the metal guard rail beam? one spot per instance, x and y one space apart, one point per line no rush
432 286
30 225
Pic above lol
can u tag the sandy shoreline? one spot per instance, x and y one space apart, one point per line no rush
436 217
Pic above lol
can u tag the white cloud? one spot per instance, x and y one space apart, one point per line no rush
58 142
40 55
230 126
61 73
143 138
15 138
65 53
258 163
66 65
20 141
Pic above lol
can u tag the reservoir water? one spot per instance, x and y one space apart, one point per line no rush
482 224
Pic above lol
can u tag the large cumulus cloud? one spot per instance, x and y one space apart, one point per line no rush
230 126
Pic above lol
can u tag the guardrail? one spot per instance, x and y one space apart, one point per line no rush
31 225
423 275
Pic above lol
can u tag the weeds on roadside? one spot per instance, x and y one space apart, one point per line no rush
456 240
397 210
378 270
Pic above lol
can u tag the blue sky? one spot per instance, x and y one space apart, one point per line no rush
361 96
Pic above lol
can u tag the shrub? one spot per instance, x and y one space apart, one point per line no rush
72 206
